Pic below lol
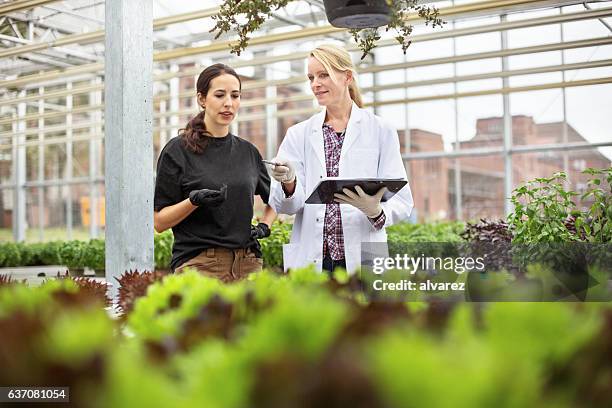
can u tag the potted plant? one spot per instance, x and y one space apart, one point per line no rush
357 13
363 17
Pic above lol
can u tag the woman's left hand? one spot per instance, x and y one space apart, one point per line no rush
367 204
260 230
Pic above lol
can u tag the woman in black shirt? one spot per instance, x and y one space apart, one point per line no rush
205 186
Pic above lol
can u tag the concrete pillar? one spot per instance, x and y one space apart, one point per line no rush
128 128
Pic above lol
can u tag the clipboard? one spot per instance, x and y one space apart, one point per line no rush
325 190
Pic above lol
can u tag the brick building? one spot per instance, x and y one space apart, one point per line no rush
482 177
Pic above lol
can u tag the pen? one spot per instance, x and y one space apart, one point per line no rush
270 162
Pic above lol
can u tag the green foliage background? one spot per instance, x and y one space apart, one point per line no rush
293 339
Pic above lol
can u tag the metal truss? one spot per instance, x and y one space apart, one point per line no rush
315 16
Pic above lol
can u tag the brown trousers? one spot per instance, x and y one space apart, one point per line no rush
228 265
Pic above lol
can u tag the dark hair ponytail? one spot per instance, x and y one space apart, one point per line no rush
194 134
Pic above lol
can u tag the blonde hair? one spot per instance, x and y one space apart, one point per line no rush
335 58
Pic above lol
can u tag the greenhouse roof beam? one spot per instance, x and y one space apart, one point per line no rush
22 5
482 151
601 20
451 12
75 53
47 61
424 155
311 110
289 20
91 68
291 112
554 85
73 14
489 151
98 36
43 24
568 84
308 96
592 42
54 182
492 75
485 8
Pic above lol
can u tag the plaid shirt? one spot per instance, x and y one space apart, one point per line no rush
333 237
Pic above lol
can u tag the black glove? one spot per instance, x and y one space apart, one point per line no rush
254 245
208 197
260 231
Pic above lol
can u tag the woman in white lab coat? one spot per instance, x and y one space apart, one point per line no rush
345 141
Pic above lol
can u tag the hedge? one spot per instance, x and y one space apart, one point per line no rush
90 254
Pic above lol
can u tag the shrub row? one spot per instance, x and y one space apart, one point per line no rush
73 254
90 254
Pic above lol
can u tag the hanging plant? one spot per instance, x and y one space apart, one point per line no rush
363 17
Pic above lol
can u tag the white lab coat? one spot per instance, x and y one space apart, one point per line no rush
370 149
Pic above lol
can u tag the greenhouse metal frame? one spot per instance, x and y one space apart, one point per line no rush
72 63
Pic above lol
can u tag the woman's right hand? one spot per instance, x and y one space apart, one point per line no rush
205 196
284 171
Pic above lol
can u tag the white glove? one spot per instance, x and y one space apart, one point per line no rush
284 171
367 204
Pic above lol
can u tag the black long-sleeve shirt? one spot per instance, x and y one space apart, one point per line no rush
226 160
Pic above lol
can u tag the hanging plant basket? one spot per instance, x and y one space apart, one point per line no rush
357 13
362 17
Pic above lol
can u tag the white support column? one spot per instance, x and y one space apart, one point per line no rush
564 135
69 167
163 122
408 140
19 172
407 135
234 125
271 121
457 172
374 84
41 165
508 207
95 98
174 101
128 88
